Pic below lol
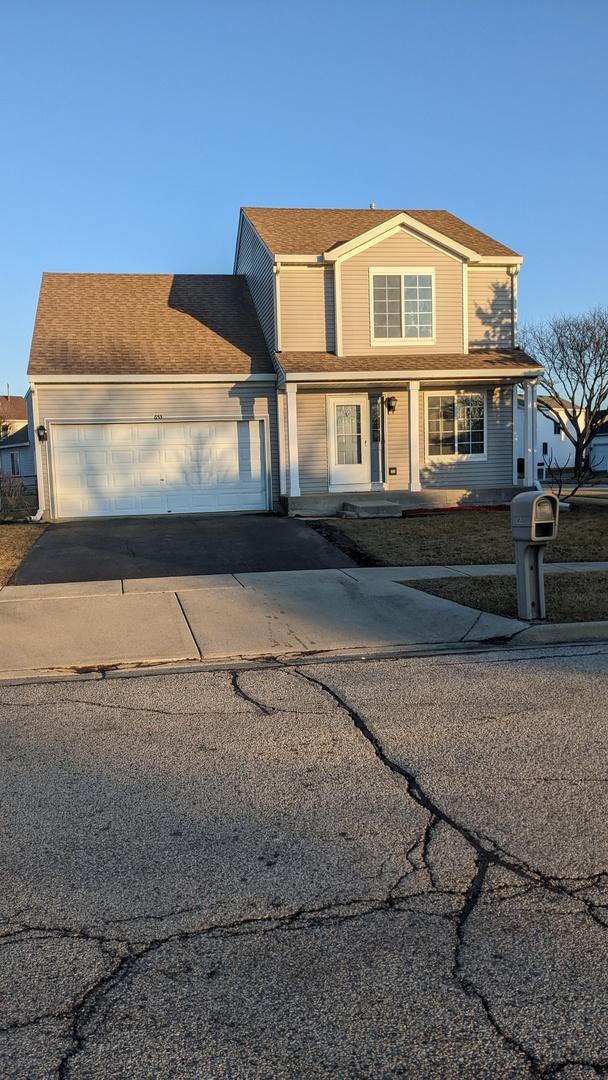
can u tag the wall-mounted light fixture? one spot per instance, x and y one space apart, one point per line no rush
391 404
41 433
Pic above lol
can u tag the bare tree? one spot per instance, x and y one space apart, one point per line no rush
561 475
573 350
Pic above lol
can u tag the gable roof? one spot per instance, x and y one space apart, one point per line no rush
18 438
12 408
136 324
311 232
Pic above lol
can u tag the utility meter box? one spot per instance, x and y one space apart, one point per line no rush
534 517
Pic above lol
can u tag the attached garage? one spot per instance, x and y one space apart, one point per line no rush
152 394
172 467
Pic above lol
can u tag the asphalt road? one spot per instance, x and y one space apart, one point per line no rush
378 869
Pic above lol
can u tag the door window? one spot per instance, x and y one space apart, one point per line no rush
348 435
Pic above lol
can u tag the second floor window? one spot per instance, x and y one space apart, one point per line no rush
403 305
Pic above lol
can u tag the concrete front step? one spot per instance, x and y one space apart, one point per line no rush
370 509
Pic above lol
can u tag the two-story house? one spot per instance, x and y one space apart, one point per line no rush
352 351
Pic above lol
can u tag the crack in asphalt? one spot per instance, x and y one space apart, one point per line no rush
81 1017
485 858
238 690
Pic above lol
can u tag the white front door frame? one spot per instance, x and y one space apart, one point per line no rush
356 477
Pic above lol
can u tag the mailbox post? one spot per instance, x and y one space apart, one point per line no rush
534 518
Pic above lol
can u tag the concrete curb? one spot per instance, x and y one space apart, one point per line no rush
468 647
563 633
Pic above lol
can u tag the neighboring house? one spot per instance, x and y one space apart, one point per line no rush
598 450
553 447
17 458
13 414
363 351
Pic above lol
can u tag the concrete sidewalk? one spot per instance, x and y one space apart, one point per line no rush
146 621
80 625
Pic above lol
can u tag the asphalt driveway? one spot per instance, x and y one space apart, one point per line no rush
385 871
105 549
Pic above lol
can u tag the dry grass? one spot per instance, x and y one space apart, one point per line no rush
569 597
15 542
460 537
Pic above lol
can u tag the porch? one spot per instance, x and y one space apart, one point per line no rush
420 444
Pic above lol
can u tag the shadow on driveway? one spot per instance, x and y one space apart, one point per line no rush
109 548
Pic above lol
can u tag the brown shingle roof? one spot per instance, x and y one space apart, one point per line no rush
12 408
328 363
311 232
107 324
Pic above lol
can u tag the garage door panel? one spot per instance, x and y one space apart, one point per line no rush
169 467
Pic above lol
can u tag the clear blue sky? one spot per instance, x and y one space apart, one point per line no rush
132 131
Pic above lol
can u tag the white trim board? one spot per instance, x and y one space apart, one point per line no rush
193 380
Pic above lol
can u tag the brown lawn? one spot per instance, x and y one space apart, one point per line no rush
15 541
569 597
460 537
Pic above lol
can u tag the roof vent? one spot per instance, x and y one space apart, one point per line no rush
372 206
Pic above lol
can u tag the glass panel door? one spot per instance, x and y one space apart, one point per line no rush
349 442
348 434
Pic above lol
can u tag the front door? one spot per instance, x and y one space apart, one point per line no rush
349 438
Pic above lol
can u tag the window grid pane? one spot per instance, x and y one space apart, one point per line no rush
455 424
418 303
441 421
387 305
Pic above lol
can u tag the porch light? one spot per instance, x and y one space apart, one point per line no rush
391 404
41 433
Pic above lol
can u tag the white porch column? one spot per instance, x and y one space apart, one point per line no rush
292 438
281 423
414 434
530 431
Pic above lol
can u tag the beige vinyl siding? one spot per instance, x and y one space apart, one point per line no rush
312 442
255 261
401 250
497 469
396 434
490 311
313 448
307 308
143 401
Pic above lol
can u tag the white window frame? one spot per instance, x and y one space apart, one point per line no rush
15 458
455 394
415 342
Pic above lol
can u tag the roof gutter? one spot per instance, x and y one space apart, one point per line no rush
370 376
197 379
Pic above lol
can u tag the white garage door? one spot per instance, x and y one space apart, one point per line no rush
158 468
